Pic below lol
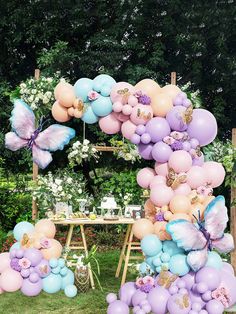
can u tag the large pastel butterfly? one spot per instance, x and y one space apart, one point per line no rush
205 235
25 134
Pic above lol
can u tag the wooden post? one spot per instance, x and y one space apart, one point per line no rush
173 78
35 166
233 210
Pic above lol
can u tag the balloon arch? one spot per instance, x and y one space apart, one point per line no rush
184 225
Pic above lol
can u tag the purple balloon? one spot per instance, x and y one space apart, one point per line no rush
173 290
138 297
194 143
158 298
214 307
174 118
189 280
32 270
229 281
140 129
178 100
174 307
158 128
34 277
228 268
34 255
13 253
19 253
202 287
31 289
207 296
199 161
145 138
111 297
25 273
210 276
118 307
43 269
186 146
126 292
196 298
203 126
161 152
145 150
135 139
186 103
183 95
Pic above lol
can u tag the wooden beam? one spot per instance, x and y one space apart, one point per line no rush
173 78
107 148
233 210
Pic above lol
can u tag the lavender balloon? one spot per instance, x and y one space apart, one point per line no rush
179 304
158 128
135 139
138 297
140 129
229 282
158 298
126 292
175 118
214 307
195 297
34 255
43 269
31 289
118 307
161 152
111 297
145 150
145 138
198 161
210 276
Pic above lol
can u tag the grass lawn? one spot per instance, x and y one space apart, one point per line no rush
92 302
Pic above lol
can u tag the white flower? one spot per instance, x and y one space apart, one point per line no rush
84 155
85 149
126 197
49 79
58 181
48 94
69 180
45 100
22 85
80 191
31 98
60 188
34 91
86 142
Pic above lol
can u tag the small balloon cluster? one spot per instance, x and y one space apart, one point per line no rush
208 291
34 264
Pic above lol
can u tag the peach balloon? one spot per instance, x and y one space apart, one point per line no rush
47 227
150 210
60 88
180 161
171 90
128 129
142 227
196 177
181 216
208 199
168 215
161 105
182 189
78 113
161 168
60 113
4 261
71 111
118 92
196 209
215 173
161 194
160 230
148 86
54 251
67 96
180 204
157 180
141 114
145 176
36 239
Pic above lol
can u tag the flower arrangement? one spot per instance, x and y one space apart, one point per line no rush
145 284
126 151
63 186
82 151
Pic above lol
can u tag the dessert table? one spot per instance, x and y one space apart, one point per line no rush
128 245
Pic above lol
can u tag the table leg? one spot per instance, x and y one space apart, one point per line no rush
86 254
68 239
127 257
122 253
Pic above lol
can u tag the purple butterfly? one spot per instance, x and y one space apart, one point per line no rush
198 238
40 142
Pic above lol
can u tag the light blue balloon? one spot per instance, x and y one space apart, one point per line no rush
52 283
165 257
102 106
171 248
144 268
61 262
165 266
105 90
68 279
158 269
82 87
157 261
149 261
151 245
71 291
56 270
104 79
64 271
178 265
21 228
214 260
89 116
15 246
53 262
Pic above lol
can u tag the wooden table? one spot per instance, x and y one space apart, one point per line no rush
127 248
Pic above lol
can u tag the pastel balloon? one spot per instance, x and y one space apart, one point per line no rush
158 298
102 106
175 302
228 268
171 248
4 261
70 291
214 260
180 161
141 114
126 292
214 307
161 195
117 106
67 96
82 87
145 150
175 118
119 93
157 180
161 104
34 255
68 279
158 128
127 109
180 204
148 86
161 152
145 176
59 89
110 124
171 90
128 129
10 280
43 269
47 227
161 168
151 245
210 276
229 281
196 177
132 100
150 210
182 189
71 111
198 161
138 297
142 227
118 307
178 265
89 116
22 228
180 216
203 126
215 173
52 283
111 297
120 116
60 113
160 230
54 251
103 80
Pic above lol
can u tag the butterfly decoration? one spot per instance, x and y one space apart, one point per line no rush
25 241
125 94
25 134
174 180
205 190
166 279
184 303
205 235
187 115
79 104
143 115
44 269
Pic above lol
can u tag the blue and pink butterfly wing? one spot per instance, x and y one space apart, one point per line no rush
197 259
22 119
55 137
224 244
41 157
14 142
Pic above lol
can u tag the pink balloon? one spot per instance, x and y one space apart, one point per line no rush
180 161
117 106
121 117
145 176
182 189
161 168
141 114
117 89
110 124
161 194
157 180
128 129
215 173
196 177
10 280
4 261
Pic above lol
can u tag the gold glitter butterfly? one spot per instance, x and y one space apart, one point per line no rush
198 151
25 241
184 303
125 94
165 279
174 180
187 115
79 104
143 115
44 269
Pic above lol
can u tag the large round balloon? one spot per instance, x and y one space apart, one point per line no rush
145 176
10 280
82 87
158 298
142 227
215 173
145 150
60 113
157 128
47 227
54 251
52 283
4 261
176 118
31 289
203 126
121 91
161 105
128 129
21 228
102 106
89 116
149 87
110 124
